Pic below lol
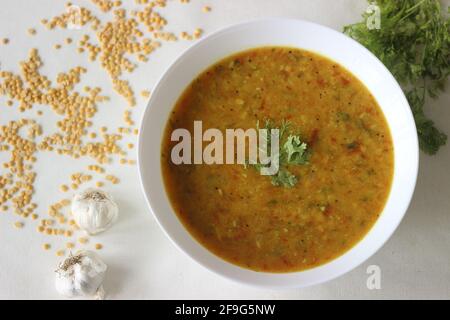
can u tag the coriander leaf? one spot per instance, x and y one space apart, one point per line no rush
296 150
284 178
292 152
430 138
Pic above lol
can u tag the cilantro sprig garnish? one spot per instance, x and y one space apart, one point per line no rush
293 151
414 43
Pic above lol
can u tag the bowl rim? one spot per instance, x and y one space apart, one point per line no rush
414 158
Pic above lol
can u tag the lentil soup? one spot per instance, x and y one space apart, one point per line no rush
238 214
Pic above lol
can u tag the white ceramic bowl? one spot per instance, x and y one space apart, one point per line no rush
292 33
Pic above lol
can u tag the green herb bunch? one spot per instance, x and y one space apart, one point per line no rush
413 41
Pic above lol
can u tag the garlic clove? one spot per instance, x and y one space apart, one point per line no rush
81 275
94 210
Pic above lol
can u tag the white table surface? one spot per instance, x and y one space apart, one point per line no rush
143 263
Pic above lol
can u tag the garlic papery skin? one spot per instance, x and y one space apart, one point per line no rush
81 275
94 210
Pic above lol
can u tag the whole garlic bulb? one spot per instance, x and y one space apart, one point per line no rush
81 275
94 210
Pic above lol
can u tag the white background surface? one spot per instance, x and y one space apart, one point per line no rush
143 264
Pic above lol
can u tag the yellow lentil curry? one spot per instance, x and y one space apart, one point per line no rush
238 214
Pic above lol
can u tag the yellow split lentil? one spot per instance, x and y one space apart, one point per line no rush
83 240
18 225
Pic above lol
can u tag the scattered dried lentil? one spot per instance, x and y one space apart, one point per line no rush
83 240
18 225
70 245
31 88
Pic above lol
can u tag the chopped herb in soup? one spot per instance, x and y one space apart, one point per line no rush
339 135
292 152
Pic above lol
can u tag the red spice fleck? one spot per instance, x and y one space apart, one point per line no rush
314 137
328 211
345 81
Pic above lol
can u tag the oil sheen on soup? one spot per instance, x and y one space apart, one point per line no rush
238 214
